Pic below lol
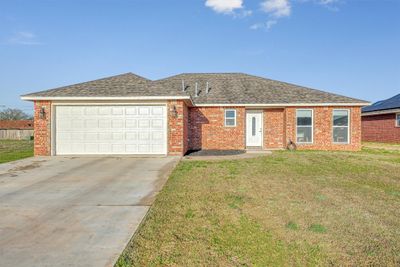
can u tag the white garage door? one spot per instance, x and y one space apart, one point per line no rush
110 130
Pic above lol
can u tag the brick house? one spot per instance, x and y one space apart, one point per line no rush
16 129
128 114
381 121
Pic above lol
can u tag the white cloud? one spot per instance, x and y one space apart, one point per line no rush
244 13
327 2
277 8
270 23
224 6
267 25
23 38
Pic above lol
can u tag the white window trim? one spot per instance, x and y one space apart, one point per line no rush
348 127
226 110
312 126
397 120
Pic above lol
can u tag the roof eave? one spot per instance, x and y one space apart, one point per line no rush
102 98
358 104
380 112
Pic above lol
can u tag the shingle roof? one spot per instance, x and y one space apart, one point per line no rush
127 84
390 103
224 88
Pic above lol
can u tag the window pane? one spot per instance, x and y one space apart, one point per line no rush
304 117
340 135
398 120
230 122
230 114
340 118
304 134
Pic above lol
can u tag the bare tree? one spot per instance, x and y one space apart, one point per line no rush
14 114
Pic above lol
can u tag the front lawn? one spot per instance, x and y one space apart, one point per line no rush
15 149
285 209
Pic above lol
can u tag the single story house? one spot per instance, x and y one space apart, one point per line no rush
16 129
381 121
129 114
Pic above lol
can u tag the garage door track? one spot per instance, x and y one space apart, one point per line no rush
74 211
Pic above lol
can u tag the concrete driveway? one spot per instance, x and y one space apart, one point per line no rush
74 211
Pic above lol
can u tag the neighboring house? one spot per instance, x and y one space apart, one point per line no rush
128 114
381 121
16 129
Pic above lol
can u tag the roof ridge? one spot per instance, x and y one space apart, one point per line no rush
198 73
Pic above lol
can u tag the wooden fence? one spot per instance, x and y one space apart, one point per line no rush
13 134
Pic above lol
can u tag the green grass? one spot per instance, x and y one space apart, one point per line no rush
303 208
11 150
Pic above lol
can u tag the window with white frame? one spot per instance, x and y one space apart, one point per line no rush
304 125
341 123
398 119
230 117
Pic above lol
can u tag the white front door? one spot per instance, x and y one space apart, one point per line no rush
254 129
110 129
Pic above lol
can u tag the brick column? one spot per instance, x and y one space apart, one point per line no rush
42 127
177 127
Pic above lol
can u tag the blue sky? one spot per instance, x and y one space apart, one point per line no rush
349 47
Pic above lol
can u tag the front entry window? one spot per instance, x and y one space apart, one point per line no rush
230 118
304 125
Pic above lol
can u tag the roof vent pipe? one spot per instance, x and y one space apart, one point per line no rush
207 87
183 85
196 92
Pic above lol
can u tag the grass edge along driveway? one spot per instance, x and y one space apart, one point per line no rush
11 150
304 208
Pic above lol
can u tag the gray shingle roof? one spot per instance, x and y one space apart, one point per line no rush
224 88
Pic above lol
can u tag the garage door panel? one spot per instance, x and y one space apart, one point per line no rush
104 123
131 123
110 130
91 110
131 111
144 110
131 136
144 124
77 110
117 111
156 136
77 123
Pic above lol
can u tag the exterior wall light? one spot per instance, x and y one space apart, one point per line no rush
174 112
42 113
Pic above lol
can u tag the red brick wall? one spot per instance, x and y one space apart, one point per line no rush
203 128
323 129
274 128
380 128
42 132
207 129
177 127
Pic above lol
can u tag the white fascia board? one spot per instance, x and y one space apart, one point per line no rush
285 105
80 98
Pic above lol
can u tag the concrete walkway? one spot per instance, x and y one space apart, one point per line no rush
70 211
